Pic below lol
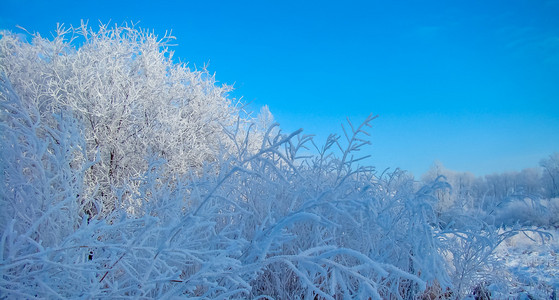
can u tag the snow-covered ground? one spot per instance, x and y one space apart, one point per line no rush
533 267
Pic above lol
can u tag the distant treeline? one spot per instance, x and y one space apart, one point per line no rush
528 196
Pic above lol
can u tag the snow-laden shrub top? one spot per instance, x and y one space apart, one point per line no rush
131 100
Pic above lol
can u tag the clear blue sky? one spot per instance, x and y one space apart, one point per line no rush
473 84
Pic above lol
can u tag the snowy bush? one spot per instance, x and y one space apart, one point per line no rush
267 223
125 175
42 167
529 212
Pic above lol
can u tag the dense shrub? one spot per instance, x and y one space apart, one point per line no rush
129 97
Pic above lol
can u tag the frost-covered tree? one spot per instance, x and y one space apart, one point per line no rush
551 174
130 97
460 194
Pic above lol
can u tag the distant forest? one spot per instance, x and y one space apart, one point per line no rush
529 196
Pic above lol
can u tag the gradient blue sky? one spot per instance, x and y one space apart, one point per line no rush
473 84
